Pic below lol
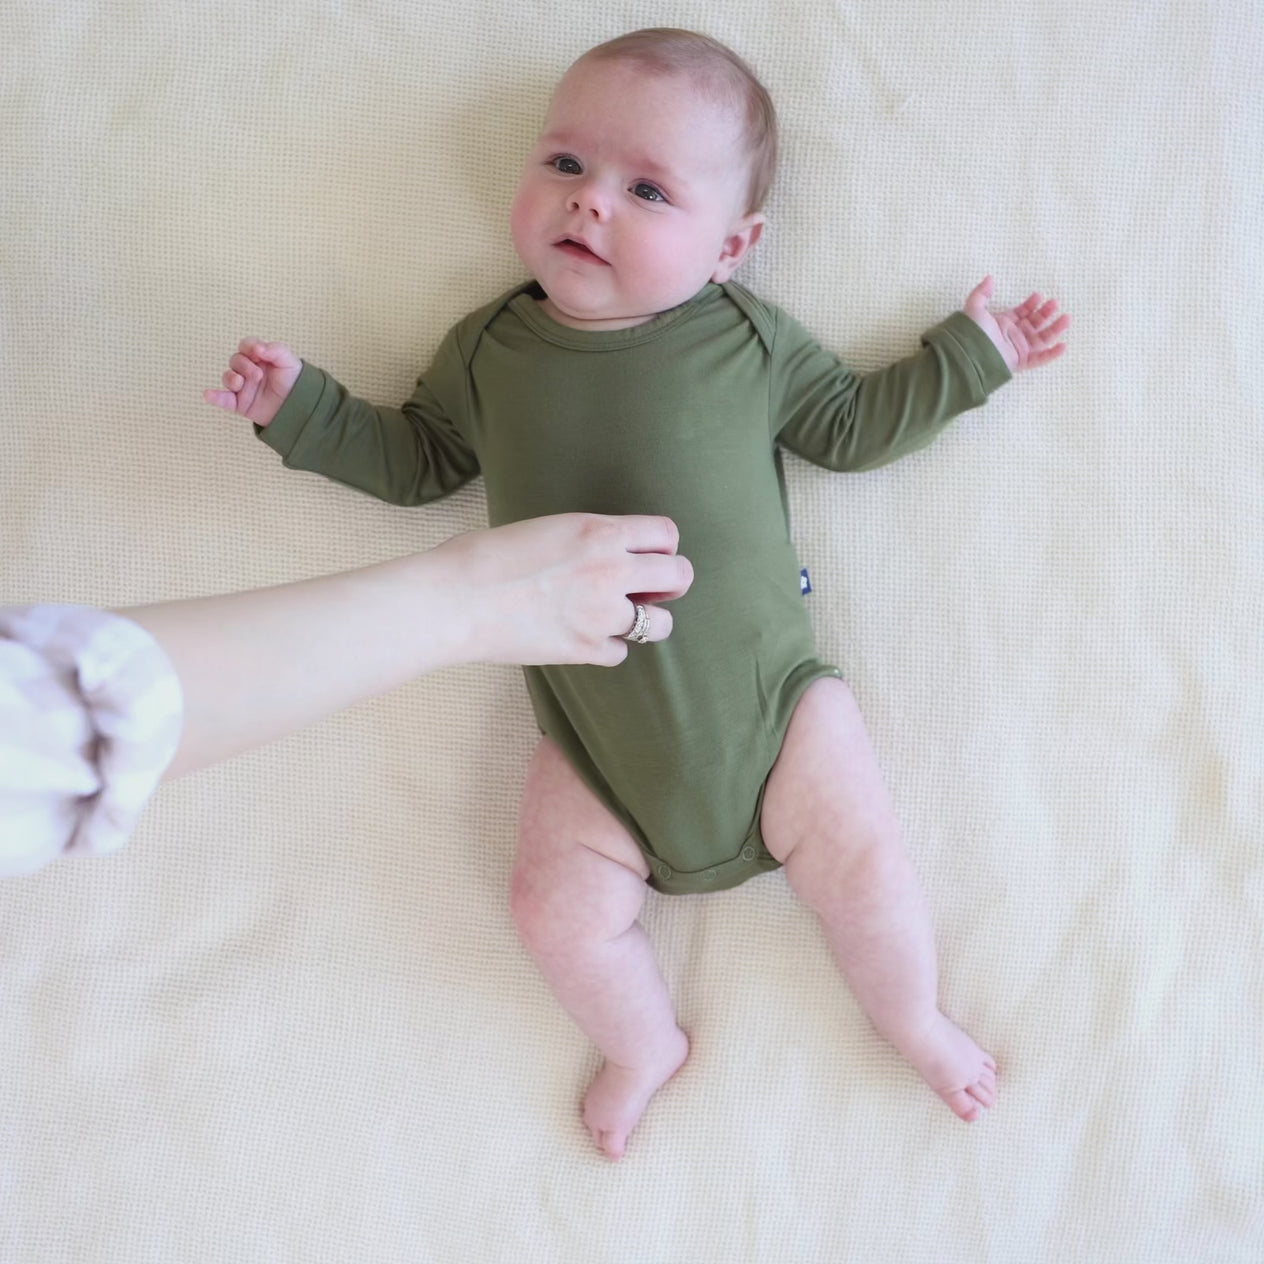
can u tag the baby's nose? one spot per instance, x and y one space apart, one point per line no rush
589 200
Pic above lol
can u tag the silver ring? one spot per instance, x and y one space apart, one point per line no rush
640 626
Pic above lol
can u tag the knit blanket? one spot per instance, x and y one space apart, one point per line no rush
292 1021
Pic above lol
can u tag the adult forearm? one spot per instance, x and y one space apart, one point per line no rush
257 665
254 666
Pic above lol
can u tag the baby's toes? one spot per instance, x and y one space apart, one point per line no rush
962 1104
612 1144
984 1092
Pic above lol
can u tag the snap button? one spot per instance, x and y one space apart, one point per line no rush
709 876
664 871
748 852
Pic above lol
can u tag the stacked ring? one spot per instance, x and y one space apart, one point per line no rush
640 626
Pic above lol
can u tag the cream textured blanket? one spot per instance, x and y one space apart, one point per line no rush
292 1022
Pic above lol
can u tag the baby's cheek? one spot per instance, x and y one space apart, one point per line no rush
522 218
516 220
684 268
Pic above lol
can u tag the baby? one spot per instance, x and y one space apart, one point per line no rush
631 375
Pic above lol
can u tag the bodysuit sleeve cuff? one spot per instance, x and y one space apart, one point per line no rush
282 432
982 364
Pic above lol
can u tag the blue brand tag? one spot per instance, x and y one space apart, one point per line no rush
805 584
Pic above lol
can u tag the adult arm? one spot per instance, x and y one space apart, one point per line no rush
254 666
97 706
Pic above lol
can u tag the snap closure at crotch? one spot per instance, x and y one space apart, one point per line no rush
750 860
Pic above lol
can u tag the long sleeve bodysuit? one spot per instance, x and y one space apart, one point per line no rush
681 416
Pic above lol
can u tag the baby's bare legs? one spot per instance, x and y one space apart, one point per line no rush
578 887
828 818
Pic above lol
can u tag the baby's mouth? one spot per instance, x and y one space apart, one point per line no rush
577 250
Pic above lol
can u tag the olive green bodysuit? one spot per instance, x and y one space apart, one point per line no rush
681 416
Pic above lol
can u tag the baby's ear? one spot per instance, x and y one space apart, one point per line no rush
746 232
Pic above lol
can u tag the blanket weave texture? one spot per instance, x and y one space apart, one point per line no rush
291 1021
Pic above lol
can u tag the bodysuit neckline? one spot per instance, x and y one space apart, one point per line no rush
525 305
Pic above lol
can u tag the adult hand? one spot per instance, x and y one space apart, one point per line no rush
564 589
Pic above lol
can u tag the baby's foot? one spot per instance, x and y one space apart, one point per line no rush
618 1096
955 1067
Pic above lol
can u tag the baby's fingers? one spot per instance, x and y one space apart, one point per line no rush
247 369
978 298
1043 331
275 353
1027 308
255 348
1037 358
1056 329
1044 314
221 399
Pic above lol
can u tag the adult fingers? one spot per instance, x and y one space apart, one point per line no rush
608 653
658 576
646 620
648 533
614 649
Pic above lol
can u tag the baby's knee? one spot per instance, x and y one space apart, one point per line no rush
539 913
562 910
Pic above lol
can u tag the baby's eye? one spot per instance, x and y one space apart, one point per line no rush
648 192
567 165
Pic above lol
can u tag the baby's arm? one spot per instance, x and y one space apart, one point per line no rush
1027 336
258 380
851 421
407 456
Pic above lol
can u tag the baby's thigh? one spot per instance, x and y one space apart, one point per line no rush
574 856
826 785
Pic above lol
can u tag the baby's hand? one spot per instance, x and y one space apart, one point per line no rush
258 379
1027 336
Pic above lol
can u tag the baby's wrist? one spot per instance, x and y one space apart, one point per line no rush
987 325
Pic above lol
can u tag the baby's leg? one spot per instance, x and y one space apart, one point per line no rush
578 887
827 817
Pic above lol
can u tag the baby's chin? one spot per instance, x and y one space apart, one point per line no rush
596 320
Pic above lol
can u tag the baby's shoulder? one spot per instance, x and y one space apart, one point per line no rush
463 338
763 316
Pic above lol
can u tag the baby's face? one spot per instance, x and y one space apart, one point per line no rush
632 198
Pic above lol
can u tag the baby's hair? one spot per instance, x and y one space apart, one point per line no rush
717 68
